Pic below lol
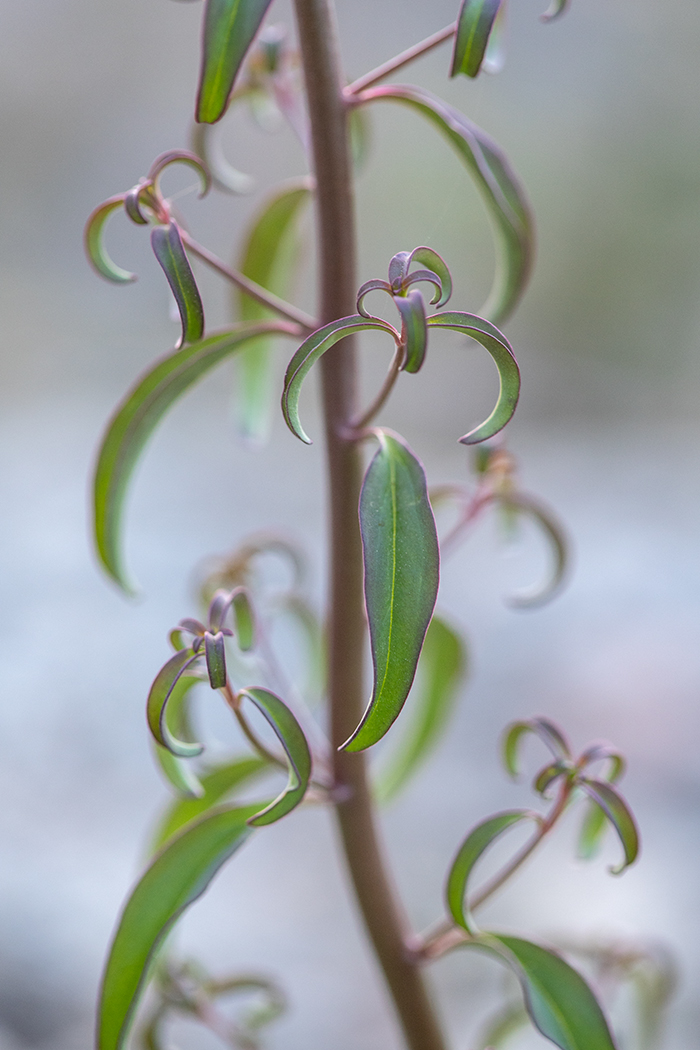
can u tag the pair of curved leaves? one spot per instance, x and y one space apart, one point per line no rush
401 572
502 193
136 418
230 27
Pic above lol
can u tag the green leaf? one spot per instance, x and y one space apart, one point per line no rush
269 257
441 668
495 342
214 648
229 30
437 264
402 569
560 1003
477 842
217 783
96 253
170 253
618 814
292 739
414 330
309 352
178 772
474 25
592 830
548 733
244 618
504 197
177 877
136 419
158 697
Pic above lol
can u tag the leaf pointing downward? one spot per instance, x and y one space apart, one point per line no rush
293 741
229 29
170 253
402 560
474 27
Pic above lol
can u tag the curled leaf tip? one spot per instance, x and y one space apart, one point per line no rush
180 156
292 739
94 247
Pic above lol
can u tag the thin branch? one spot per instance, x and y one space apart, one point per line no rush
255 291
380 400
234 703
375 75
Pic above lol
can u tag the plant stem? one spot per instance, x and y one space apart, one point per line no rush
384 921
375 75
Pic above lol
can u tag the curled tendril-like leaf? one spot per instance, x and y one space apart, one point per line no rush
132 203
400 265
550 735
554 533
601 753
180 156
94 248
547 776
371 286
414 329
619 815
556 8
206 140
170 253
156 708
429 277
292 739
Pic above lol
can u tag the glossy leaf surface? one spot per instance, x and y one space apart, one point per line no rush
229 30
558 1000
157 705
217 784
402 568
177 877
414 330
548 733
476 843
474 25
498 184
269 258
292 739
94 247
136 419
309 352
170 253
495 342
618 814
441 668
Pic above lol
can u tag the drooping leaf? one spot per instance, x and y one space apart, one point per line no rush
177 877
310 351
269 257
158 697
176 770
547 776
245 620
560 1003
292 739
500 188
180 156
217 784
170 253
414 330
593 827
94 248
474 25
206 143
476 843
229 30
136 419
554 533
508 372
548 733
556 8
618 814
214 648
441 668
402 569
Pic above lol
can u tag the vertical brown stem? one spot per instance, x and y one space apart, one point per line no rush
382 915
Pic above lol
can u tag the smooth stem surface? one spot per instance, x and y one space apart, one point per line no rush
346 622
411 53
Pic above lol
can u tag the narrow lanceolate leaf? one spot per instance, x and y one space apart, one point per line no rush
136 419
170 253
558 1000
441 668
176 770
269 257
96 252
502 193
292 739
217 784
309 352
477 842
474 26
156 707
214 648
229 29
618 814
402 568
495 342
176 878
549 734
414 330
593 828
244 618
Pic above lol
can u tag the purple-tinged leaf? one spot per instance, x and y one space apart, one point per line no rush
476 843
549 734
375 285
400 278
229 30
474 25
176 770
602 753
438 266
414 329
495 342
218 609
427 276
206 142
402 571
136 419
170 253
617 812
244 618
504 197
292 739
175 879
309 352
398 267
132 204
547 776
156 707
180 156
556 8
215 651
96 253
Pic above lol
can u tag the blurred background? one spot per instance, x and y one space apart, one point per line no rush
599 113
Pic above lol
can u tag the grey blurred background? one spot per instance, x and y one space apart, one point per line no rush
599 113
